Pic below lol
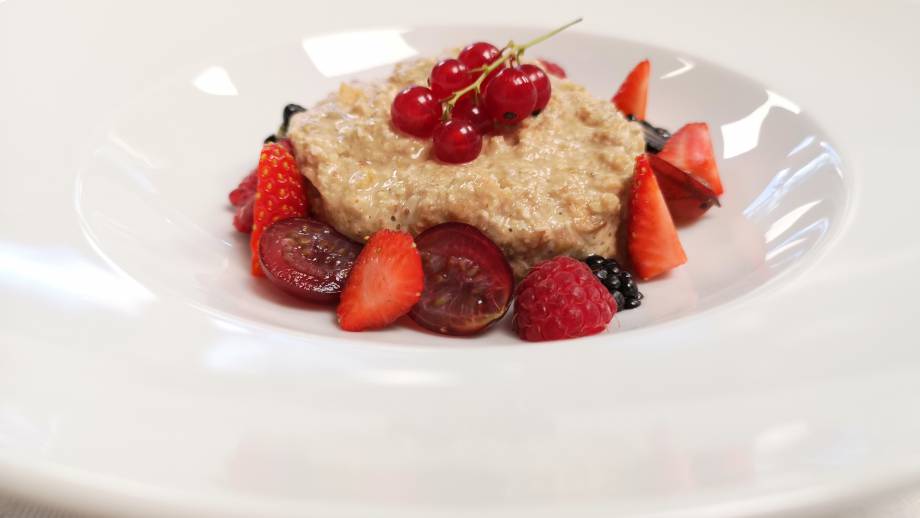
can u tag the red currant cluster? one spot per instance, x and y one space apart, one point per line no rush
470 95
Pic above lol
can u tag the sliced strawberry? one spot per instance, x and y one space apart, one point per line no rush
279 194
385 282
552 68
690 149
688 197
632 97
654 247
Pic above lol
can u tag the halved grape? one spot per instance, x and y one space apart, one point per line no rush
468 281
307 258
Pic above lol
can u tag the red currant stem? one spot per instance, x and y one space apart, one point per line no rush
548 35
514 51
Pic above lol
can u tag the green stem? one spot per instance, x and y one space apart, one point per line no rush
513 50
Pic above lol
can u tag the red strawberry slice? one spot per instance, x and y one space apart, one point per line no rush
552 68
385 282
242 219
690 149
632 97
688 197
654 247
279 194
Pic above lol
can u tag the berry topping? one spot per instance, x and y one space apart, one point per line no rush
540 81
618 281
687 196
632 97
654 247
510 97
245 190
456 142
561 298
415 111
307 258
469 110
242 218
448 76
385 282
468 282
655 137
289 112
552 68
478 55
279 194
690 149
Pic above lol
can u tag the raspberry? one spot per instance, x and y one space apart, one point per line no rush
561 298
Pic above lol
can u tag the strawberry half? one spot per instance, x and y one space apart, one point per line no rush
688 197
552 68
279 194
690 149
632 97
385 282
654 247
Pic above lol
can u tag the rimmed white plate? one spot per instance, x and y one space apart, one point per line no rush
140 364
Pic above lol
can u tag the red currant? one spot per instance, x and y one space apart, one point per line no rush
479 54
541 82
415 111
469 110
456 142
510 97
448 76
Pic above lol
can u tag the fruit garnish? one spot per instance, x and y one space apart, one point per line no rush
561 298
541 84
456 141
279 194
415 111
481 85
654 246
448 76
632 97
385 282
510 97
468 109
479 55
618 281
655 137
245 190
242 218
687 196
552 68
690 149
307 258
468 281
289 112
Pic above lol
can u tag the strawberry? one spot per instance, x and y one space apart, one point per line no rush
632 97
552 68
688 197
279 194
385 282
654 247
690 149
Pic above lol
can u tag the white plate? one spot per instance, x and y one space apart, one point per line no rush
139 363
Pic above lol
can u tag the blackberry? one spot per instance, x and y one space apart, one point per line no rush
618 282
655 137
289 112
270 138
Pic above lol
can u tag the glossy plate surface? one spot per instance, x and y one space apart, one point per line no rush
138 358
